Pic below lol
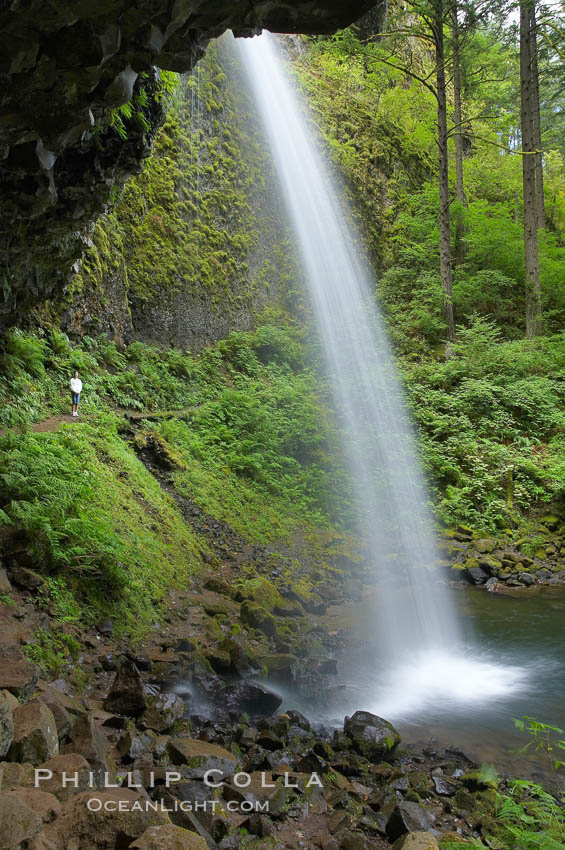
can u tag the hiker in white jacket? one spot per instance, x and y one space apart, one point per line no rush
76 389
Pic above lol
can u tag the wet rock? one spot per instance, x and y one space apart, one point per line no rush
6 725
526 579
35 734
168 837
476 573
113 821
198 757
371 736
417 841
17 674
127 695
298 719
242 656
249 698
407 817
269 740
219 660
163 712
280 666
64 775
18 822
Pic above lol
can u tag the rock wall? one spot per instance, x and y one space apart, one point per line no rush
196 246
65 68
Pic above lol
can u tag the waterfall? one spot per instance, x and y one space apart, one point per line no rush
414 617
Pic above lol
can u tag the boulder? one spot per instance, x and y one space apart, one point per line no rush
62 719
199 756
257 617
169 837
18 674
526 579
477 574
134 745
281 666
371 736
50 695
18 822
103 820
354 841
485 545
70 775
407 817
87 740
249 698
259 791
417 841
14 775
26 579
44 804
35 734
264 593
6 725
127 695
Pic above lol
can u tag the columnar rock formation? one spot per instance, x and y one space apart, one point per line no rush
63 68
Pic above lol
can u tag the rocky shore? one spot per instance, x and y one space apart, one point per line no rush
176 744
511 562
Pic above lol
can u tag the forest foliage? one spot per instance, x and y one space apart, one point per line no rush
489 408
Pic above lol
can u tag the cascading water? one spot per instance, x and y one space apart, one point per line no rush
419 636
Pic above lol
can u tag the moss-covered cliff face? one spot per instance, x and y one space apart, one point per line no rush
196 244
64 68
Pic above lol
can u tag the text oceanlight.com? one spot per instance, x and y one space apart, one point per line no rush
96 804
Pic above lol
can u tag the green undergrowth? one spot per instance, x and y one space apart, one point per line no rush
97 524
245 427
492 425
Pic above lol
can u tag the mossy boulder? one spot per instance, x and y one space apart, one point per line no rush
257 617
264 593
551 522
370 735
485 545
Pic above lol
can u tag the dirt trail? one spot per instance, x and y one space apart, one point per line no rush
52 423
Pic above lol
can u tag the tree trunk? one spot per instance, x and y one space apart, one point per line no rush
536 119
533 291
457 113
444 217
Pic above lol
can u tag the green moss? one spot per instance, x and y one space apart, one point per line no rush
190 221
